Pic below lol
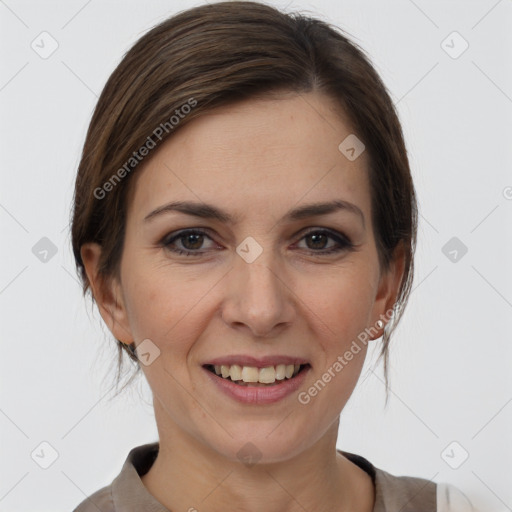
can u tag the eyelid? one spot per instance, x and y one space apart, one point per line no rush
206 231
176 235
212 233
332 232
343 242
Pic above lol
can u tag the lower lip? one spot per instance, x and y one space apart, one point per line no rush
259 395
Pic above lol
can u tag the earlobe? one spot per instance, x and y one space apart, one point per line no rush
107 294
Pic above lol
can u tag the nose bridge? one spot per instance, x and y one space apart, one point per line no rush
259 297
261 280
257 262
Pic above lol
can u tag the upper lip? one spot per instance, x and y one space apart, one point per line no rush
258 362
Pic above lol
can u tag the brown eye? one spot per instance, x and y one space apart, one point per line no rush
317 242
191 242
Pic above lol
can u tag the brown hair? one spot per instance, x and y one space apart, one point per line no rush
214 55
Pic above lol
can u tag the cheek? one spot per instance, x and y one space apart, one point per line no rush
339 308
339 311
341 301
165 304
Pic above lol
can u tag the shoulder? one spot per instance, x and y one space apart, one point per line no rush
126 493
420 494
100 501
394 492
404 492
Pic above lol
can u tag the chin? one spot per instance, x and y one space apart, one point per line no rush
258 447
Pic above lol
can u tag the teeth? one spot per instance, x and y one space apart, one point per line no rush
235 372
267 375
251 374
280 371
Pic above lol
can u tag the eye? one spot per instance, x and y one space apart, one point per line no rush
192 240
319 240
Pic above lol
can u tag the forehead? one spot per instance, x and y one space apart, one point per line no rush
258 157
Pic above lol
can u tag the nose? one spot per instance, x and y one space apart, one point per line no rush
259 297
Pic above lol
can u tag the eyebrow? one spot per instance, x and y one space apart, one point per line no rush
208 211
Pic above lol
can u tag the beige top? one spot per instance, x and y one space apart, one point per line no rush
127 493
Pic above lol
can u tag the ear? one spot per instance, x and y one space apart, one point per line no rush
107 294
387 293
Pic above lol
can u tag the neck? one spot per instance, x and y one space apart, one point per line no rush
188 475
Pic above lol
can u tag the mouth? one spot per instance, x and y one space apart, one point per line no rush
253 376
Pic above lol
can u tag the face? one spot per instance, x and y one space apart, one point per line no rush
266 283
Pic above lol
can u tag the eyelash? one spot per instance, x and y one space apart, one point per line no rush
344 243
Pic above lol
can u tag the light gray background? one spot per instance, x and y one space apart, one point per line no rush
451 357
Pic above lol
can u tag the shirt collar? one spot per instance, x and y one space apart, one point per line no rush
129 494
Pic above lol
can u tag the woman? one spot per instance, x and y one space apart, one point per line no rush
245 220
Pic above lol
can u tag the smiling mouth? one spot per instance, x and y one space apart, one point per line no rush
255 377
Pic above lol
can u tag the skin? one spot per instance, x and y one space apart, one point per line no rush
257 159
